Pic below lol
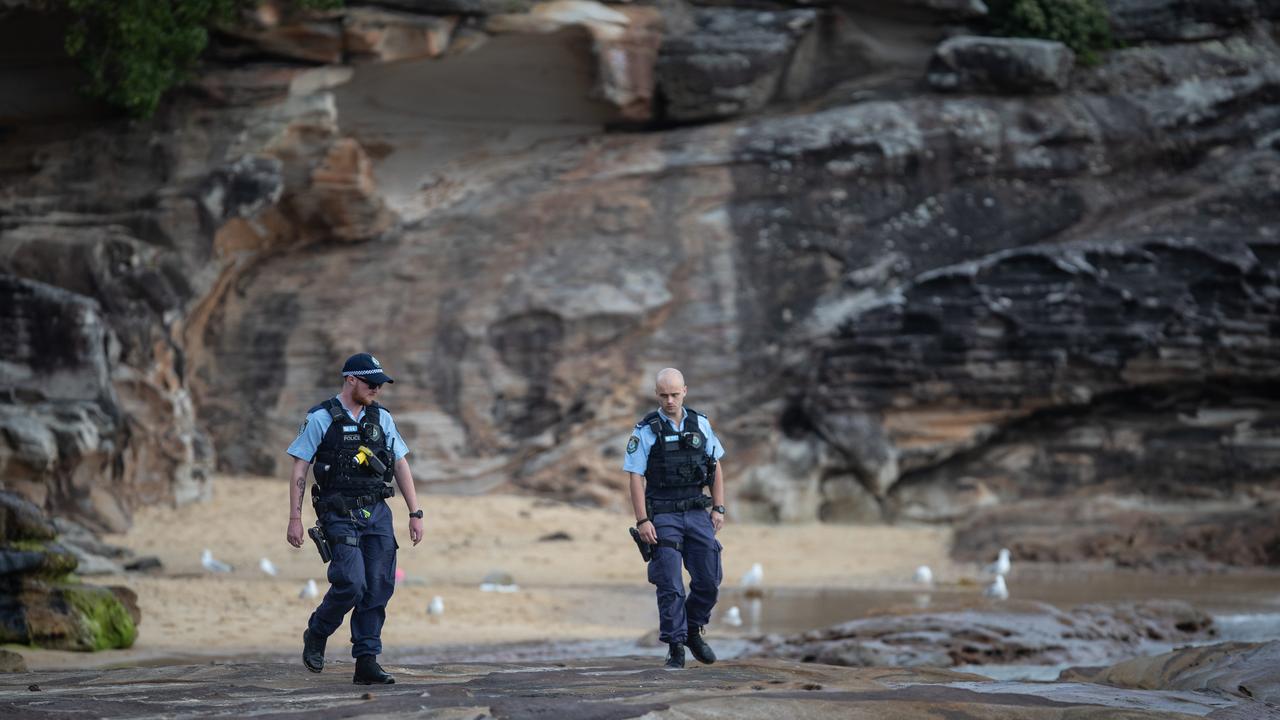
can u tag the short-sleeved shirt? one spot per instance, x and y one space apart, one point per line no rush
642 440
318 421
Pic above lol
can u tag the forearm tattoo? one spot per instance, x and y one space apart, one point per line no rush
302 486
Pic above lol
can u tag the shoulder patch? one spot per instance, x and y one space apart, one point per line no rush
303 427
632 444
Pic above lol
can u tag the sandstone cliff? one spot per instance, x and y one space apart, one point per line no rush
910 274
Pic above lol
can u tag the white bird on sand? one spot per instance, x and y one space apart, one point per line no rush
923 576
268 567
733 616
997 590
752 580
436 606
211 564
309 590
1001 565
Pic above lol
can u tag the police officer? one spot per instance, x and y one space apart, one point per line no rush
671 456
357 454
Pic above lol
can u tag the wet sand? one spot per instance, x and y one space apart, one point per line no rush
591 587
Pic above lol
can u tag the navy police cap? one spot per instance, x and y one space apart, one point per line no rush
366 367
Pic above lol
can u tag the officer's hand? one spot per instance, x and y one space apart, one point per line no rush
415 530
648 533
295 532
717 520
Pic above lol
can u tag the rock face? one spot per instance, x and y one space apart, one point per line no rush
895 304
66 426
1024 633
1123 532
39 604
1000 65
1174 20
875 271
731 62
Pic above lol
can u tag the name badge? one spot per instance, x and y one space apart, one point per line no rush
349 428
671 438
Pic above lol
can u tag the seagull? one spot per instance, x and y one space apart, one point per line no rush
211 564
268 567
309 590
733 616
1001 565
752 580
923 576
436 606
997 590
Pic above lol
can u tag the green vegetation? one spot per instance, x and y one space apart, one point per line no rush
1081 25
102 616
27 545
136 50
56 562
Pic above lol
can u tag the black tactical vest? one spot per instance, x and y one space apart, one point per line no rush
335 466
678 463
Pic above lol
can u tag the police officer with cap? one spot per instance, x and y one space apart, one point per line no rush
671 456
358 457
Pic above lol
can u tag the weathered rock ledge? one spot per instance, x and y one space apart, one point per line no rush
1028 633
599 689
1243 669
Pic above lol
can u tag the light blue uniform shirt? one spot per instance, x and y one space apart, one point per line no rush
318 421
637 458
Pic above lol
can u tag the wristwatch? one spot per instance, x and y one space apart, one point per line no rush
717 508
416 514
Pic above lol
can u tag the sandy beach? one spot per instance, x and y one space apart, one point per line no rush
591 586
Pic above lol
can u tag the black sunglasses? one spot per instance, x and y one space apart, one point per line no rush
372 385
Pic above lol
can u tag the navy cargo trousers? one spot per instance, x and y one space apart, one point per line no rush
362 576
700 554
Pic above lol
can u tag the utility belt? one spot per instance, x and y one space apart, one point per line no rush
657 507
339 504
344 504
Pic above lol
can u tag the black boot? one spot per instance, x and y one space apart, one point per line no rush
675 656
369 672
312 651
698 647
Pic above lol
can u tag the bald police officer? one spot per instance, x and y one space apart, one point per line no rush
358 457
671 456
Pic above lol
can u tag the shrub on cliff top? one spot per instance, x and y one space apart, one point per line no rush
135 50
1082 25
